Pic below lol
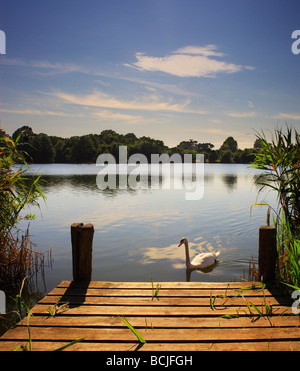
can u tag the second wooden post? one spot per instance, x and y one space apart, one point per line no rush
82 248
267 254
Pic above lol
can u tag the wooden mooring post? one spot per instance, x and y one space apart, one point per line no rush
267 254
82 248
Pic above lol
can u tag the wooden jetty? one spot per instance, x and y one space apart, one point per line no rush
183 316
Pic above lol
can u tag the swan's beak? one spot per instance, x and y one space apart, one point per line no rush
182 241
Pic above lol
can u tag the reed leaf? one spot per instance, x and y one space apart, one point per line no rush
126 323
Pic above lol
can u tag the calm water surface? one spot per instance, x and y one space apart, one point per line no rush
137 231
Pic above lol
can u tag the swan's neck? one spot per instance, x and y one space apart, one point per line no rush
187 255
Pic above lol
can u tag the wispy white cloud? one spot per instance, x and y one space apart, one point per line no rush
108 115
215 121
190 61
287 116
58 67
12 62
45 66
208 50
169 88
242 114
34 112
151 102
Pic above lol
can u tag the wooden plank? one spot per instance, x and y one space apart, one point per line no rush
160 301
163 322
165 285
152 335
156 310
166 347
162 293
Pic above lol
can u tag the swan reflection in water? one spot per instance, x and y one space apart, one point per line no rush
199 270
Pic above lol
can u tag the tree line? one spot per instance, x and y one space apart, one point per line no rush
43 148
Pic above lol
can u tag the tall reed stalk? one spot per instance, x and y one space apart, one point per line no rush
279 161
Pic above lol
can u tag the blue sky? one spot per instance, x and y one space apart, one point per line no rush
168 69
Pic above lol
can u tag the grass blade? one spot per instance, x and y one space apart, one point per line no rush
141 339
155 291
68 345
255 307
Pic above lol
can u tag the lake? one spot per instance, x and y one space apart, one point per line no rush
137 231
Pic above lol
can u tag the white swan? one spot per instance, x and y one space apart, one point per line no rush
200 261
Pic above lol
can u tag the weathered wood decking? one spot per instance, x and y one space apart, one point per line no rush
184 316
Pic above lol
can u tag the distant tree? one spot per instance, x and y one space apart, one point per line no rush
247 156
59 152
95 140
82 150
226 157
212 157
60 146
74 155
229 144
109 136
204 147
114 150
25 132
86 148
102 148
257 144
42 150
130 138
146 147
188 144
237 156
2 133
177 150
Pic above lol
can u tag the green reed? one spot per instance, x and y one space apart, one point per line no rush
133 330
279 160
